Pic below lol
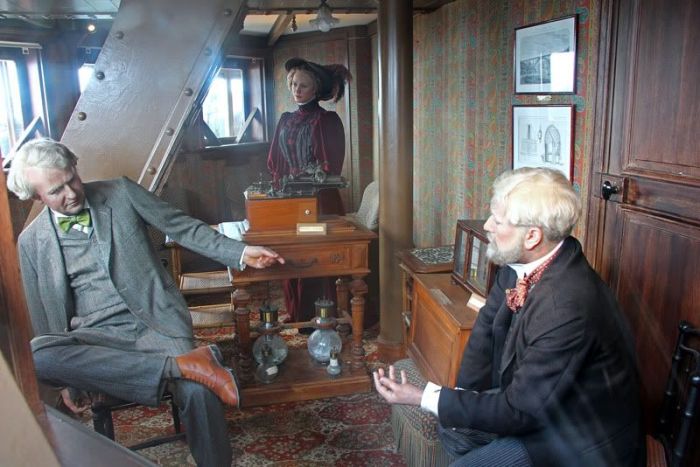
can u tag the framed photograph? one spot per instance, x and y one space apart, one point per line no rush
545 57
543 137
472 269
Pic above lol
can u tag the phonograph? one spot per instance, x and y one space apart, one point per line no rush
294 201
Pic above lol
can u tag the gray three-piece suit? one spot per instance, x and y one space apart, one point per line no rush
106 314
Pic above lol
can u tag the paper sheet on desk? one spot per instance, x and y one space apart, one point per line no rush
476 302
235 229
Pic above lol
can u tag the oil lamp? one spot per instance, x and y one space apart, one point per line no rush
325 338
269 338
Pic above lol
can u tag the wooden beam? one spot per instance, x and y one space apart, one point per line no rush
280 26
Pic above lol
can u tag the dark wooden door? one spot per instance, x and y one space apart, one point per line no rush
645 240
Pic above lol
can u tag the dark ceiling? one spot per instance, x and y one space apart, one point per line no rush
106 9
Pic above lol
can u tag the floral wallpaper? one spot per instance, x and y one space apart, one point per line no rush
463 95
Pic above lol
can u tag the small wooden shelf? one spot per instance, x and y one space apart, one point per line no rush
301 378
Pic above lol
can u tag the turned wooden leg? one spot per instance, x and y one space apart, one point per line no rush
241 298
341 291
358 288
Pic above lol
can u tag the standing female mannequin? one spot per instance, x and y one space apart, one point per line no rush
310 136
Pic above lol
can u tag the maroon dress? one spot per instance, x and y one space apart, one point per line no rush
305 136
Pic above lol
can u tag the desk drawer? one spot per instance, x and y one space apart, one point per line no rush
320 260
317 257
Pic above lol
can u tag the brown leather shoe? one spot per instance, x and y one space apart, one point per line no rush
201 366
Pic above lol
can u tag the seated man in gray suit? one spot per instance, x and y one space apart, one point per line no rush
107 316
548 376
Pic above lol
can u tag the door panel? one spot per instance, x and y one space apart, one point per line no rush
645 238
656 286
665 95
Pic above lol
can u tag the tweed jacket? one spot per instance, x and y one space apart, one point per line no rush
563 377
121 211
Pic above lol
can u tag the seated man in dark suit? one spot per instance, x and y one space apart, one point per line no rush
548 376
107 316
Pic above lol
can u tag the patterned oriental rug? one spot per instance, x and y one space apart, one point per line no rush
350 430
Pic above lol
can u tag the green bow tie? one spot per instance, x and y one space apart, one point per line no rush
82 218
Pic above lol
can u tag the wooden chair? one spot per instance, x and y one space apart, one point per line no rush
677 423
103 406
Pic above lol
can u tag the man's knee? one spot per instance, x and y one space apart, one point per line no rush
45 365
459 441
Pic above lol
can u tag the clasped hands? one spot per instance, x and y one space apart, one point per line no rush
395 392
259 257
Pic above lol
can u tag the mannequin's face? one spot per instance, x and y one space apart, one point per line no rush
59 189
506 241
302 87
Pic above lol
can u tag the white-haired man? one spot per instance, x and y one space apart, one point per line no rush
548 376
107 317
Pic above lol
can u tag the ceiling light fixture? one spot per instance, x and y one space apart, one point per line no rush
324 18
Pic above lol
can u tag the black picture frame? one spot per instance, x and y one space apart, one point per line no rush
544 57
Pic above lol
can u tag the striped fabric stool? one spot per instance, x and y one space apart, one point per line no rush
415 430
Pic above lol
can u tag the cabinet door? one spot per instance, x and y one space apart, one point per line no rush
437 340
645 239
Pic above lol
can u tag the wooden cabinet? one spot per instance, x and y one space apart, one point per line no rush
419 261
440 326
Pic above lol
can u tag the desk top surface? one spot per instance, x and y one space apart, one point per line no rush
452 297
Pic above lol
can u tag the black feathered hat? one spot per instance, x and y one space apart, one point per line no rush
330 79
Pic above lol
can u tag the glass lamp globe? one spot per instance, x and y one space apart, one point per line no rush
270 338
325 338
267 371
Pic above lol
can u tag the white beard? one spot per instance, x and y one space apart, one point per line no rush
511 255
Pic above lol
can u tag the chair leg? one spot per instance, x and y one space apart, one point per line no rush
102 422
174 409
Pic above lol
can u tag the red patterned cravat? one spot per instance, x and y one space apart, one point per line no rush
515 297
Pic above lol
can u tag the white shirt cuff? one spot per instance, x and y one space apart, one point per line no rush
431 396
241 264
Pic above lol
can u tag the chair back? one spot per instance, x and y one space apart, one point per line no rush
677 424
368 213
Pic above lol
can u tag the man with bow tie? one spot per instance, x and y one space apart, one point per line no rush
548 376
107 316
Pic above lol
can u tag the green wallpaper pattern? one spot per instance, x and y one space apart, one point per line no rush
463 93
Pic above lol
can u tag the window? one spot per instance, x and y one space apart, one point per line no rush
11 121
84 74
87 55
223 109
233 108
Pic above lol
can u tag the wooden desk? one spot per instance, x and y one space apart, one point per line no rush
343 251
440 327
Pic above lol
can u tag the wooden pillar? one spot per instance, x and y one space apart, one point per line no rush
396 163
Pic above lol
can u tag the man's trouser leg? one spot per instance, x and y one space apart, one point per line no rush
475 448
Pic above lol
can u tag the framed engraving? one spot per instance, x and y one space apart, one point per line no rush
543 137
545 57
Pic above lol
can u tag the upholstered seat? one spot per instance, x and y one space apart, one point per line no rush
415 430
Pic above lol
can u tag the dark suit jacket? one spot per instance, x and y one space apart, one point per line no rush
565 371
121 210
